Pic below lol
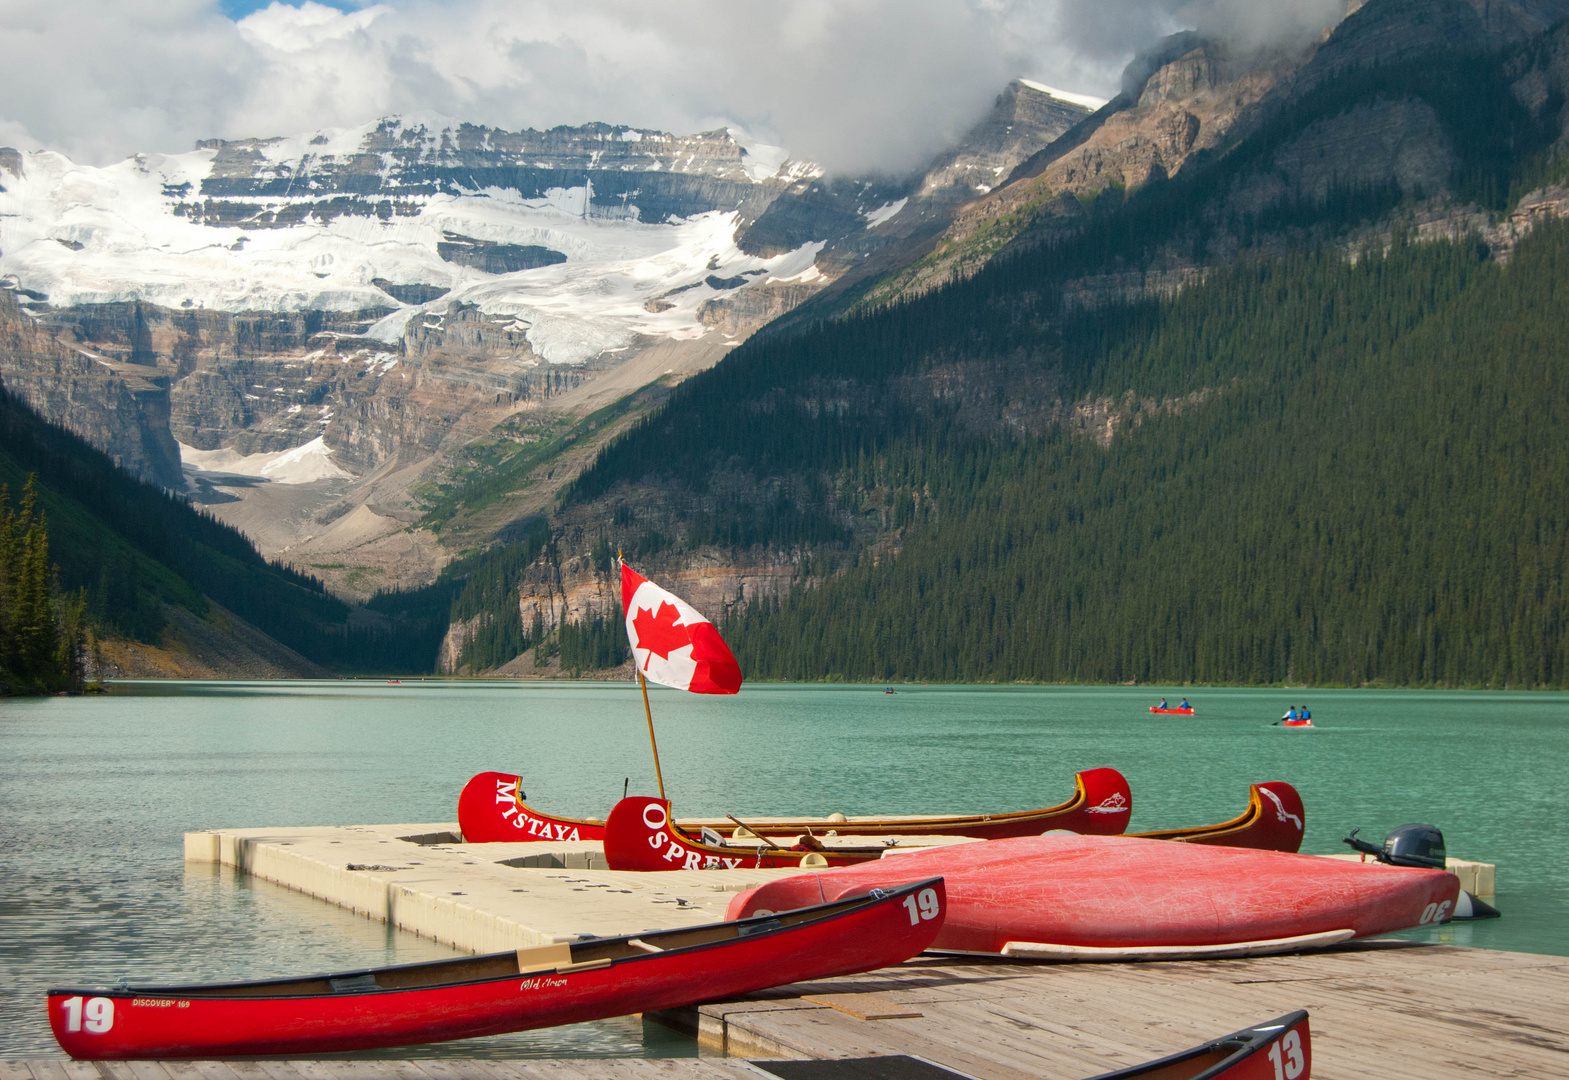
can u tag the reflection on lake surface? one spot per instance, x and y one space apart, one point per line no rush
96 793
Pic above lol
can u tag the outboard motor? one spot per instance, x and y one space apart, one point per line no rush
1421 846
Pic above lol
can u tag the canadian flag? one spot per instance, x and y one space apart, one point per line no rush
671 643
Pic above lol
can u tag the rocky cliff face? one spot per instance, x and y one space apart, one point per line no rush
1192 95
117 399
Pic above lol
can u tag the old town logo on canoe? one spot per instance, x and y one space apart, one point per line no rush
1111 804
514 811
1280 808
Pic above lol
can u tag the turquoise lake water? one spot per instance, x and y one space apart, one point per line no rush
96 792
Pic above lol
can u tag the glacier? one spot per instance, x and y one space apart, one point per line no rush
163 229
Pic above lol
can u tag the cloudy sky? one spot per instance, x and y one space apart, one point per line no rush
854 84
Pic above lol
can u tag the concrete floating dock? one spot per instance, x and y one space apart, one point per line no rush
477 897
492 897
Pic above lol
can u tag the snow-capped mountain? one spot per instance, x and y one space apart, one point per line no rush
588 236
314 330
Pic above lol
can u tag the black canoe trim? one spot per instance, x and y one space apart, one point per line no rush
1231 1051
1223 1054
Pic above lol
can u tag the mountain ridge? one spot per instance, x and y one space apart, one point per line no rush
404 367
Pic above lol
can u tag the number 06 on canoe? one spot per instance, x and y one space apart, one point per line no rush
563 983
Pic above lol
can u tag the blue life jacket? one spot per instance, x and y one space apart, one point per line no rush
1291 713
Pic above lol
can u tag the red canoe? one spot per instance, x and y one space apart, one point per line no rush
640 836
1273 821
1123 898
491 809
512 991
1279 1050
1174 712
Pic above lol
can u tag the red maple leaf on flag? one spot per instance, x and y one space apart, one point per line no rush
660 632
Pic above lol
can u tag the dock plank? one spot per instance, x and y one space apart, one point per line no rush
47 1070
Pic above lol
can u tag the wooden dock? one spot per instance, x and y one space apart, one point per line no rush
1384 1010
1380 1011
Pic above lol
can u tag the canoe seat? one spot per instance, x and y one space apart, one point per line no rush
544 957
748 929
354 984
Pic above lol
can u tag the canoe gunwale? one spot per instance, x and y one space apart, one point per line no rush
1243 821
941 824
1243 1044
725 932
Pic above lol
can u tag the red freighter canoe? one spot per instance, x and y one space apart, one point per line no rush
1279 1050
491 809
1124 898
641 836
513 991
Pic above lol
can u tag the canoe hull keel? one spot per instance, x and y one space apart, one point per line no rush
1106 892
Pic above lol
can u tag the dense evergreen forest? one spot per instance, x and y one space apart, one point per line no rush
1372 492
124 550
43 637
1342 465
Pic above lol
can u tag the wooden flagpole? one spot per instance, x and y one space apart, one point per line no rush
648 712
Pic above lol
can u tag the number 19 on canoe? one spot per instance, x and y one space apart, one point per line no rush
97 1016
922 906
1287 1057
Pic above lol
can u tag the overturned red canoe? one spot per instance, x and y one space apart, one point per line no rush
1273 821
512 991
491 809
1117 898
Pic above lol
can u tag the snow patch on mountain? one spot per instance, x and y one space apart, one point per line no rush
876 217
302 465
1089 101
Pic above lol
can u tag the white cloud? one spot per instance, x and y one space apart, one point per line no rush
855 84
